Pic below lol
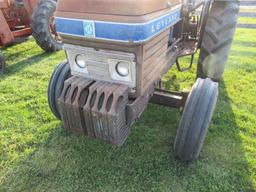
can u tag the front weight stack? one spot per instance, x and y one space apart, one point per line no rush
56 84
95 108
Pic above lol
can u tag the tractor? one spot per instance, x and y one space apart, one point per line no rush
117 54
21 18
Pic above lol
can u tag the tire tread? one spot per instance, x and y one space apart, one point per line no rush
40 26
195 120
218 36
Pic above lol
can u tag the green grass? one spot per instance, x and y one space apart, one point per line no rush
38 155
247 20
248 9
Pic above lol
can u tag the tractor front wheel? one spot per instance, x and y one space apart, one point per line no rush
56 84
196 119
43 26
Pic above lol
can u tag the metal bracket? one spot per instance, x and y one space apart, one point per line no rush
161 97
170 98
185 69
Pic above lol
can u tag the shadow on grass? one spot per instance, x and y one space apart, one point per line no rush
244 43
17 59
19 66
14 55
69 162
245 53
16 41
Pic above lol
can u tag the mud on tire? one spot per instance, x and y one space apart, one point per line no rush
217 39
43 28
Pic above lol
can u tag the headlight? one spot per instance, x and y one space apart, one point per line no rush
122 68
122 71
80 61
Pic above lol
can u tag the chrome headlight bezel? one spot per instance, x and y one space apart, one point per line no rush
102 64
115 76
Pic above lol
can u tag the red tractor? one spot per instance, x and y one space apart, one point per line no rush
21 18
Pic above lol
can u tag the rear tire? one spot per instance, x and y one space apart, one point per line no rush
2 63
217 39
43 26
56 84
196 119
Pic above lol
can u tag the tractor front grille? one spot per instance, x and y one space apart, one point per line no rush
101 64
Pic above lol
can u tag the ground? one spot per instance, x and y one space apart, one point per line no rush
38 155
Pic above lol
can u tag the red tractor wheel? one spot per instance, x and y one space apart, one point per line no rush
43 26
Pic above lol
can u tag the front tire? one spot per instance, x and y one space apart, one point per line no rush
43 26
196 119
56 84
217 39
